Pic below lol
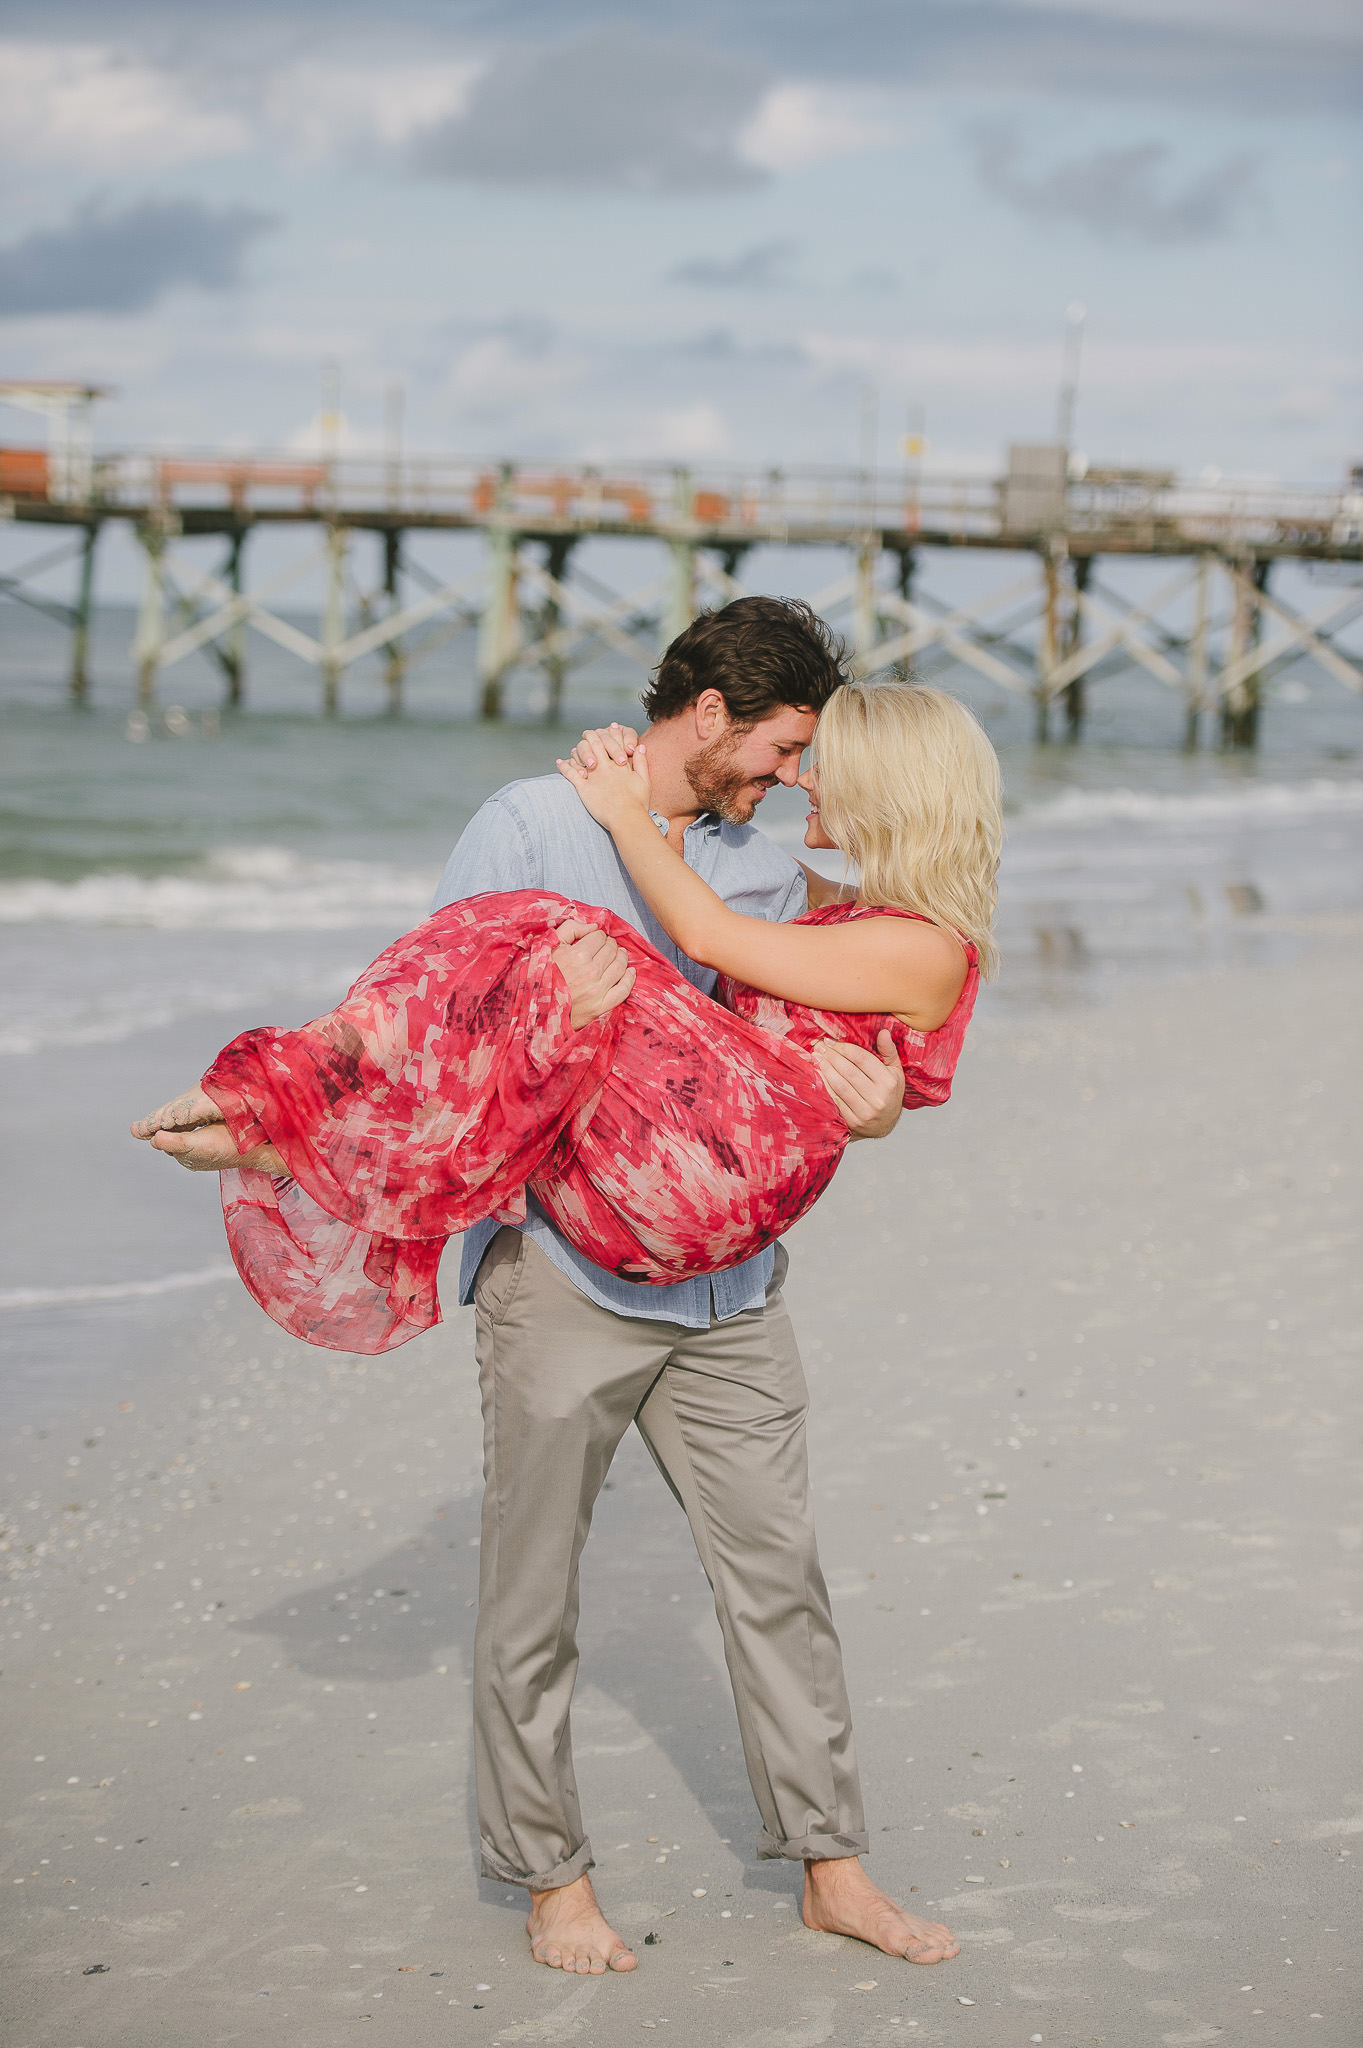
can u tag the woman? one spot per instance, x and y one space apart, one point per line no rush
669 1135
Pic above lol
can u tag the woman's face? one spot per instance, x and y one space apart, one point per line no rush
815 836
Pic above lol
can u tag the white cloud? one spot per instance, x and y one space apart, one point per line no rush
795 125
319 106
1154 375
334 433
692 432
496 373
86 104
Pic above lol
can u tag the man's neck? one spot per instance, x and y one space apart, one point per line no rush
672 795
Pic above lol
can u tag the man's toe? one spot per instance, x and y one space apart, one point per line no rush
624 1959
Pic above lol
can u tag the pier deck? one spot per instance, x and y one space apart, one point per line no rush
1214 632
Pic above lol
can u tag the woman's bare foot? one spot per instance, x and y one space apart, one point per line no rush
568 1931
210 1149
841 1899
188 1112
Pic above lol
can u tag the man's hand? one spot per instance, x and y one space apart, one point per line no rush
867 1087
596 969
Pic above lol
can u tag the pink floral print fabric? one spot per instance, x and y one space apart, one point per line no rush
677 1135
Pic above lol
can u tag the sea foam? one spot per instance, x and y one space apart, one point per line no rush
249 888
1266 801
114 1290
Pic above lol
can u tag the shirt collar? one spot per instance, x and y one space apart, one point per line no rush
708 821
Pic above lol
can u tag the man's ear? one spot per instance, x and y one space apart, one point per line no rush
711 715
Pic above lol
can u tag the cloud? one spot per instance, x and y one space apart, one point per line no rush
795 125
317 106
614 108
92 106
121 262
763 267
501 372
1246 53
1121 193
696 433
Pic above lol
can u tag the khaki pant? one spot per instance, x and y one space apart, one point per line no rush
722 1412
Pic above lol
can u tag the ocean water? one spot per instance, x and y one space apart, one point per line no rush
160 894
202 871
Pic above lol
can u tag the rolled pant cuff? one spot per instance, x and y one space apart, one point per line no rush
814 1848
581 1861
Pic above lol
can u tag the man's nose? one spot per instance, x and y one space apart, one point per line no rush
788 773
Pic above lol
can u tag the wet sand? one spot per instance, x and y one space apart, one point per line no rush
1083 1351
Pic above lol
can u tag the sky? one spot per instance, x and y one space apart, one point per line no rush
703 231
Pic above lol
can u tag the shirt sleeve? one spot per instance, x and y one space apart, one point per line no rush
496 851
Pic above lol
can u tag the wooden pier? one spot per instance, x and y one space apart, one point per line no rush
1214 632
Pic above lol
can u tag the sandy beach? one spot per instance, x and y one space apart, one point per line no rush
1083 1350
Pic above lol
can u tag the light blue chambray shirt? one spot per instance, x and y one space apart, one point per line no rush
539 835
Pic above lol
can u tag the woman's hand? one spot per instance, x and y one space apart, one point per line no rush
618 742
616 786
596 968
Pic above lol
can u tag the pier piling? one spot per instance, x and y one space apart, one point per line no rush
151 621
395 658
1240 699
333 618
1195 673
80 625
234 640
1081 568
499 627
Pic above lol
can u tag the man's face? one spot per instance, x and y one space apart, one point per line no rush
732 772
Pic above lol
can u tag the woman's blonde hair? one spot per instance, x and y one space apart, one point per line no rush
909 789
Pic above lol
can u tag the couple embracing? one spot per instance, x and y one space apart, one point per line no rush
629 1049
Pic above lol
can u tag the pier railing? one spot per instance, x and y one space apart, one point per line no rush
1146 511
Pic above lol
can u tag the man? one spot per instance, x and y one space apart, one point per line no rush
708 1371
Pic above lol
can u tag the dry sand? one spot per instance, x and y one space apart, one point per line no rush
1086 1438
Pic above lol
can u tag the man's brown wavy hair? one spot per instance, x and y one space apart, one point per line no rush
760 653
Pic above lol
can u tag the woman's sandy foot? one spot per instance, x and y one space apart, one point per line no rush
568 1931
188 1112
841 1899
210 1149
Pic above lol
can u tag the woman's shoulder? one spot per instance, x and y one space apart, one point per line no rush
901 922
943 966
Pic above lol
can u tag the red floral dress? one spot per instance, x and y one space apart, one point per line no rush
675 1136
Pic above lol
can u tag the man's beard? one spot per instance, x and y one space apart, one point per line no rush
718 783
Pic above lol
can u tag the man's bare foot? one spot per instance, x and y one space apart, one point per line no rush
841 1899
568 1931
211 1149
188 1112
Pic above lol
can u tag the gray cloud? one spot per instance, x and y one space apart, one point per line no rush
107 261
1024 47
765 266
720 345
1122 193
616 107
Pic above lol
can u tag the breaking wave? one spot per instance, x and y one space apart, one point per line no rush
244 889
116 1290
1267 801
